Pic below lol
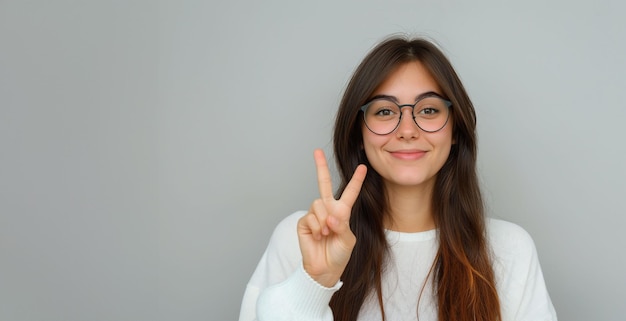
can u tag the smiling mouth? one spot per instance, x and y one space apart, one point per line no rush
408 155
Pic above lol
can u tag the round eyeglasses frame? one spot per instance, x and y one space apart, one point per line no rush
412 106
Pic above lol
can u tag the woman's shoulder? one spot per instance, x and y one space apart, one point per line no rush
284 240
508 239
521 288
286 228
282 254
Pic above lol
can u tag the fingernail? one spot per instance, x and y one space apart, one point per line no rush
332 221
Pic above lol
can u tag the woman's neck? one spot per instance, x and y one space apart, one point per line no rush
410 208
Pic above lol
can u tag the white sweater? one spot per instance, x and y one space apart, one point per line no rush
280 289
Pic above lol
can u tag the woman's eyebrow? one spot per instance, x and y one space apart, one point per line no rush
427 94
388 97
394 99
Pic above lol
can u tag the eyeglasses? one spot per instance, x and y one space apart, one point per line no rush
430 112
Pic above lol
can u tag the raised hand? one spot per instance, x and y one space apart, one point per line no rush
326 241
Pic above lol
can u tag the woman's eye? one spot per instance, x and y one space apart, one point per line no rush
384 112
429 111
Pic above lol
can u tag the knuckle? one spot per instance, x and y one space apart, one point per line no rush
311 221
319 207
317 203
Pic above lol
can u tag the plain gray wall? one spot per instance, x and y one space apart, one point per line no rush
148 148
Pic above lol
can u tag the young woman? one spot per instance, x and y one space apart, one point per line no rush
406 237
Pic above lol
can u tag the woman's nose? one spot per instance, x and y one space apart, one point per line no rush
407 127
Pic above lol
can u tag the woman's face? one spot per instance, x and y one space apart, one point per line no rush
408 156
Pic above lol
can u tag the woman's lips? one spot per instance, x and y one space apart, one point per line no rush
408 155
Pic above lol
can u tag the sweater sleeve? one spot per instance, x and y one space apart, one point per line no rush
297 298
280 288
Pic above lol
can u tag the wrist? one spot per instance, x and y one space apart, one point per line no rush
327 280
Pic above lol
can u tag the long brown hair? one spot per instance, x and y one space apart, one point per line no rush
463 276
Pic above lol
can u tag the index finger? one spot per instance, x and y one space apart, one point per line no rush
324 181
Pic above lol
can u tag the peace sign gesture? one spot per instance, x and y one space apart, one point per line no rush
324 234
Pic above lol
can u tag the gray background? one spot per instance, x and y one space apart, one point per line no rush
148 148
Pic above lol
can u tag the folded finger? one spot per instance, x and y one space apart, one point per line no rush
309 224
318 209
